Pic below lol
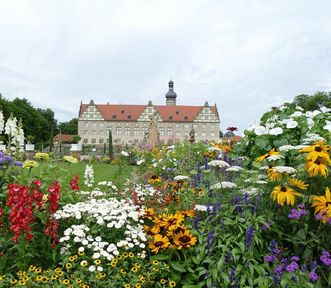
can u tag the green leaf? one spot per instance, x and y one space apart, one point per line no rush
160 257
177 266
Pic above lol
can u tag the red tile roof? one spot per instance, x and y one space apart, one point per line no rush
113 112
63 137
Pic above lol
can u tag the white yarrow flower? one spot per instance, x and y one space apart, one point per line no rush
234 168
284 169
219 163
181 177
275 157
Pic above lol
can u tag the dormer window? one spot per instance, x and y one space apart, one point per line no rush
185 118
177 112
122 111
170 117
114 116
129 116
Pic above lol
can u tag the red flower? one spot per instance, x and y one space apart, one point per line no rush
1 215
51 230
21 214
54 196
74 183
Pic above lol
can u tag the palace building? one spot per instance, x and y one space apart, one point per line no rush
129 123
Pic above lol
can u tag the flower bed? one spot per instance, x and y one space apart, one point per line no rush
193 215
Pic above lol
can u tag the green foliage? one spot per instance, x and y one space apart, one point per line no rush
313 102
51 141
110 145
76 138
36 122
70 127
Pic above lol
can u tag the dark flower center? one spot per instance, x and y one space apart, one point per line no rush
185 239
327 204
318 149
283 189
158 243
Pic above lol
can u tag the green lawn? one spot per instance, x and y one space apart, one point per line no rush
102 171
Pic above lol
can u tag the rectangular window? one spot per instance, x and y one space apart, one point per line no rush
85 140
94 132
101 124
94 125
169 131
144 130
177 125
203 134
101 132
136 141
195 126
94 141
212 126
136 131
186 126
85 132
118 131
161 131
100 140
127 131
212 134
177 134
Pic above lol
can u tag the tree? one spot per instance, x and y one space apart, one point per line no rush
70 127
313 102
51 141
111 148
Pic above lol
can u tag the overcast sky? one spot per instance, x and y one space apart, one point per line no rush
245 56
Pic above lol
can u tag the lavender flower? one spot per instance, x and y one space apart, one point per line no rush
270 258
279 269
313 265
313 276
232 274
298 213
325 258
295 259
210 238
249 236
292 267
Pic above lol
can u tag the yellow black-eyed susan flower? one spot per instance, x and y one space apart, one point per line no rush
172 283
66 281
97 262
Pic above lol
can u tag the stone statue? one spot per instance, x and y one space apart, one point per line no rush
192 136
152 136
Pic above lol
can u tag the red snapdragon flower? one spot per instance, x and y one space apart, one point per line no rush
74 183
20 201
54 196
51 229
1 215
